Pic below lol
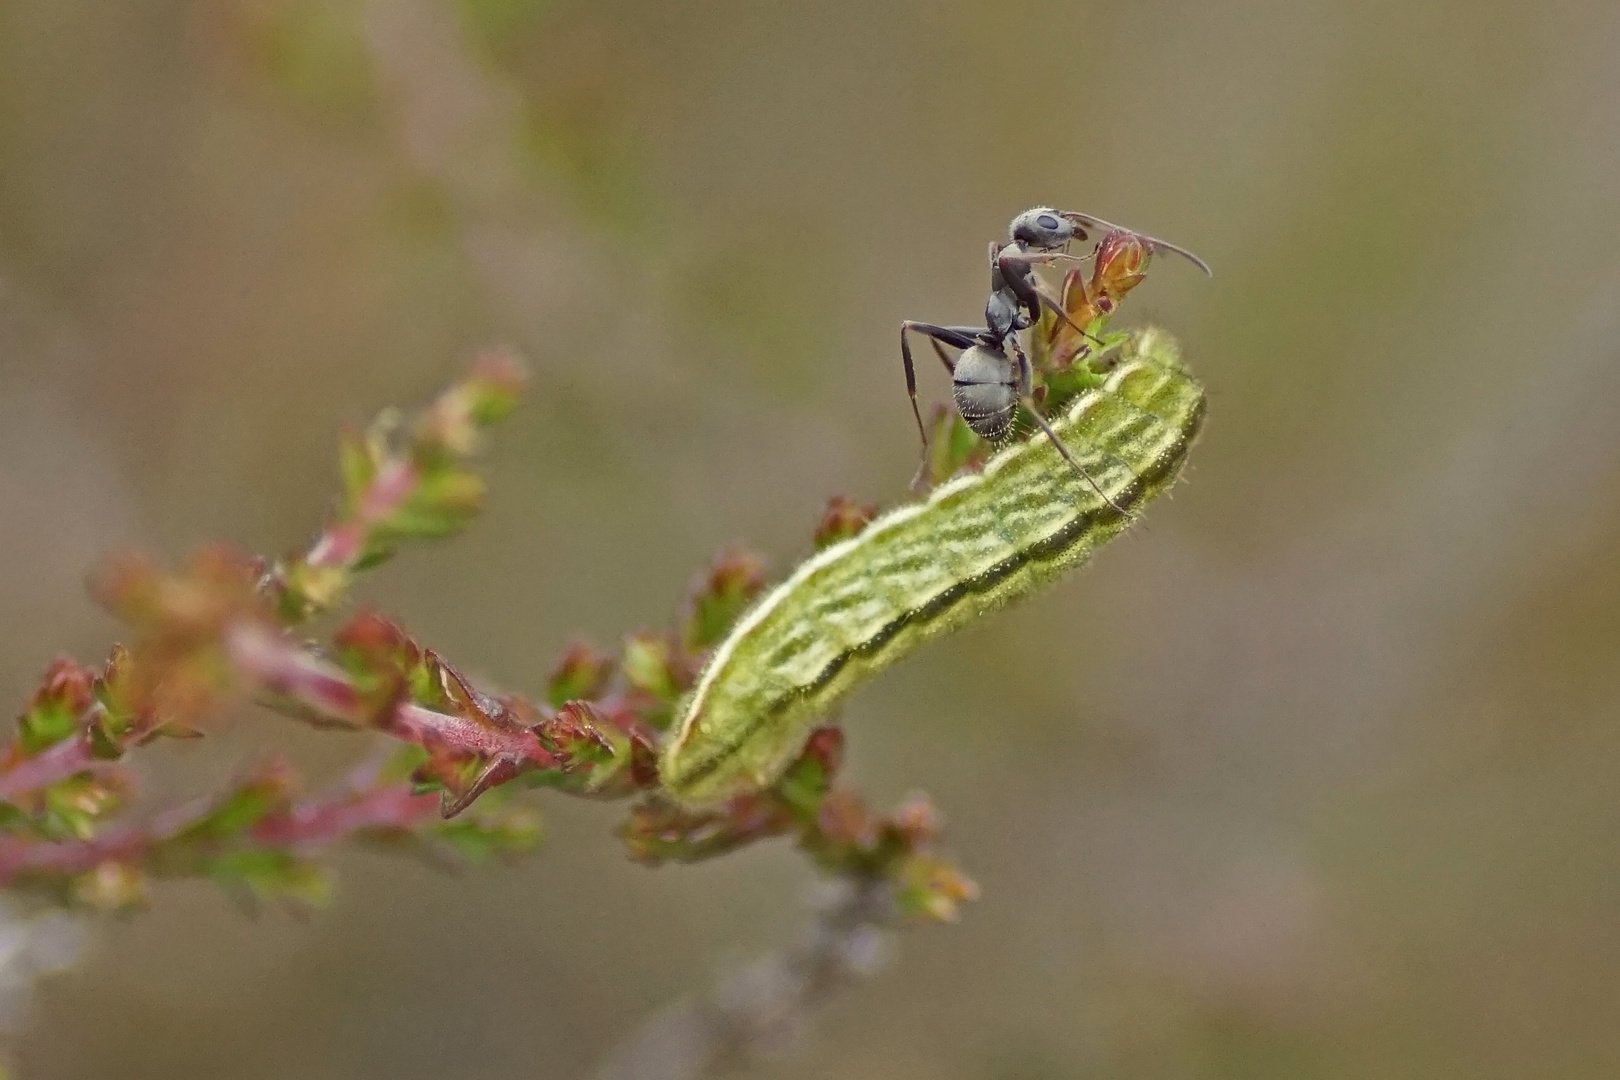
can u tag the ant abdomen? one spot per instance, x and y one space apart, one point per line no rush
986 391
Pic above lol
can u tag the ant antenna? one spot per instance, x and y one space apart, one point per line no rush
1153 242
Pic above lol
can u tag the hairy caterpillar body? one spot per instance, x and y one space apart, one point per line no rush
977 543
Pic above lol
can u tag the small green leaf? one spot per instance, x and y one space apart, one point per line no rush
951 445
13 819
493 390
237 813
721 597
271 874
357 465
45 725
73 807
64 694
486 836
441 503
581 674
842 519
646 665
804 785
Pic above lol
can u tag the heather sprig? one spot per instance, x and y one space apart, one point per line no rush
227 625
402 480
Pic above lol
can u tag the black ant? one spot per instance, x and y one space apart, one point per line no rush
988 385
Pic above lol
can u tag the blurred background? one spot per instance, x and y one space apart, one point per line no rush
1313 776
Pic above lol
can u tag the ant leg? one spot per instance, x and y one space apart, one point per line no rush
958 337
1025 378
1064 450
911 373
1015 270
911 383
922 463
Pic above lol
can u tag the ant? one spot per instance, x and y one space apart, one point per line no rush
988 385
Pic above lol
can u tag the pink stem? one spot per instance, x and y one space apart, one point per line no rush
424 727
278 664
317 823
343 543
65 759
306 825
73 857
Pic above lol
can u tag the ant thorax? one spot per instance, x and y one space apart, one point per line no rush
1003 314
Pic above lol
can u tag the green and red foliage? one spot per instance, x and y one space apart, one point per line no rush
227 626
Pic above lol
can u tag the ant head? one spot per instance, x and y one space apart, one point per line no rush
1044 229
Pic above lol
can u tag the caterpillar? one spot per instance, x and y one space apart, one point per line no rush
977 543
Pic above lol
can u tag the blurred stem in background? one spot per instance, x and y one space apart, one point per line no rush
758 1010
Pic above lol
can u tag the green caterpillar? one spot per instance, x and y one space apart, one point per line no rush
977 543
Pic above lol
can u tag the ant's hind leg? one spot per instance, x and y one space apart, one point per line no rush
1025 378
911 382
922 465
958 337
1029 403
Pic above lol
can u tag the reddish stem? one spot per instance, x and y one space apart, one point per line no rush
278 664
306 825
424 727
67 758
344 542
317 823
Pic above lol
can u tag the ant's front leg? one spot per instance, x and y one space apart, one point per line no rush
1017 270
